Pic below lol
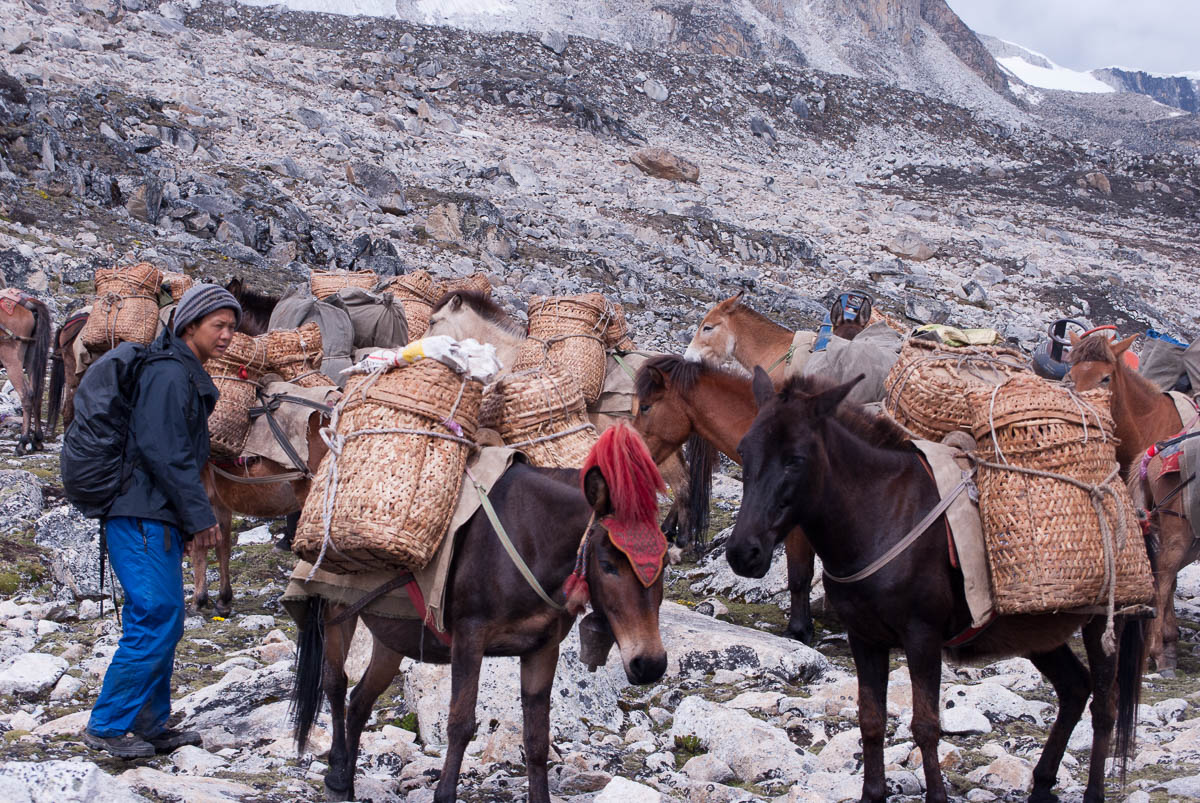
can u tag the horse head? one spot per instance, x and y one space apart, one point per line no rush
850 314
661 417
716 339
624 552
783 450
463 314
1094 358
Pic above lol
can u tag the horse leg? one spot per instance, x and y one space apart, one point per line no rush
224 546
1174 554
289 531
1072 684
871 666
339 781
10 357
1104 704
384 665
924 652
466 655
199 576
800 563
537 678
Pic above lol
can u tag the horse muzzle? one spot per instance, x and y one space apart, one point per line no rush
748 557
646 667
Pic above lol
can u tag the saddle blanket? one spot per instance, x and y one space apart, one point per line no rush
966 527
1187 460
488 465
10 297
292 418
617 397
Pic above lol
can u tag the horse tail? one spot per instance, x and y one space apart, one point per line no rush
58 381
701 460
38 354
633 478
307 690
1131 659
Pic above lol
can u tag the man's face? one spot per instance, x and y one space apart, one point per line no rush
212 334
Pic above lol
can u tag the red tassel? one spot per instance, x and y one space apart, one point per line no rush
243 373
577 594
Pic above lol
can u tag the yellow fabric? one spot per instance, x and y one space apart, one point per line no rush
953 336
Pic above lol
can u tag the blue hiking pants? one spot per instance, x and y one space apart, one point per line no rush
147 558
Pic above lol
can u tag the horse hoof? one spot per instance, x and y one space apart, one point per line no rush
284 544
223 609
804 635
1167 672
332 793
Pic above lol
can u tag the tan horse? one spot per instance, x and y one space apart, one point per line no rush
260 488
1143 415
64 373
731 332
25 332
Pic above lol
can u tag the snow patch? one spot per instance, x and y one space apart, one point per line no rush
1054 77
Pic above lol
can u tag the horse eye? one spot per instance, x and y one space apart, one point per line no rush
793 461
1104 381
643 408
608 568
706 328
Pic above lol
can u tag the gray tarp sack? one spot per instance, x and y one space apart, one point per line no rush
872 352
1163 362
337 332
378 320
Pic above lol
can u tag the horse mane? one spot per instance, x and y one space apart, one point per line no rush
253 298
1093 348
877 430
484 307
684 374
633 479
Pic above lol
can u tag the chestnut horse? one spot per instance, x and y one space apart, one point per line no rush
1143 415
491 610
261 488
732 332
678 399
25 332
463 314
857 487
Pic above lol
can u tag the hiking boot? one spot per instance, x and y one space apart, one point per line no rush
126 747
169 740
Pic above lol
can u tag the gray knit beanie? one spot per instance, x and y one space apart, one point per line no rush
201 300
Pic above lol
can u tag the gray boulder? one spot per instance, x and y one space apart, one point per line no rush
74 544
752 748
235 697
20 496
62 782
30 675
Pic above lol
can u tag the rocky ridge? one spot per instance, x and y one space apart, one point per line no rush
224 140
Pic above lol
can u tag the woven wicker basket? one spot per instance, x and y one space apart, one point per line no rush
396 492
541 413
236 375
616 334
928 388
417 292
1044 540
325 283
477 282
568 332
176 283
125 309
295 355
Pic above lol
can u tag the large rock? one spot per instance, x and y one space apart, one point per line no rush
20 496
752 748
661 163
182 787
236 697
74 545
580 700
698 645
31 675
910 245
620 790
62 782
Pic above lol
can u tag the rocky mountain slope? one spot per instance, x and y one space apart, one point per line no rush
223 140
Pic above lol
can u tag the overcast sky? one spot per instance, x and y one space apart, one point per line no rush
1154 35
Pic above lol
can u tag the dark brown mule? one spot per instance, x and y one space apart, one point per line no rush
492 611
25 334
857 487
733 332
64 378
463 314
262 489
678 399
256 307
1143 415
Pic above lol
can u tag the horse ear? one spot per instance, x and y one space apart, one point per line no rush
837 315
735 299
826 403
1075 338
658 379
235 285
764 389
456 302
595 490
1121 346
864 312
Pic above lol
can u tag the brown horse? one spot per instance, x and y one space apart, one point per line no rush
678 399
256 307
25 332
260 488
857 487
732 332
1143 415
463 314
492 610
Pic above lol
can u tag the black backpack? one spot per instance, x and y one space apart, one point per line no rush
94 468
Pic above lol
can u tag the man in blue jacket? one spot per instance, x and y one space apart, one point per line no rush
163 505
